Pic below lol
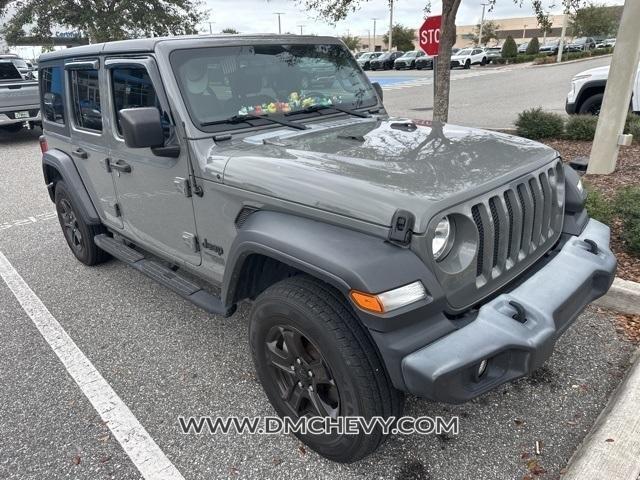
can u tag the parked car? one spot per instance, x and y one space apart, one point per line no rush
25 69
408 60
550 47
424 63
492 53
19 99
607 43
581 44
365 60
587 91
385 61
357 55
522 48
467 57
366 281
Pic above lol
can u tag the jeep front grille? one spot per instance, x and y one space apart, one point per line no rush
518 222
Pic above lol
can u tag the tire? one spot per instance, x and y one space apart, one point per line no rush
467 65
484 61
591 106
324 333
78 234
418 67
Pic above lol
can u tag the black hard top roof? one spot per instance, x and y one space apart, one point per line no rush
147 45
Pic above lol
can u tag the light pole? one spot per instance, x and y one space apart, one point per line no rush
369 37
481 23
390 24
374 33
524 31
300 27
279 23
210 27
564 32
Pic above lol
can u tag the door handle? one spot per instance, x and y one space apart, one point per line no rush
80 153
121 166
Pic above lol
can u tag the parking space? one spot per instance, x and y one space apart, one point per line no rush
165 358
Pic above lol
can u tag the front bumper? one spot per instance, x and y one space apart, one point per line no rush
552 298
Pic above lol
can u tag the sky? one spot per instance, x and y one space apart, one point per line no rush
257 16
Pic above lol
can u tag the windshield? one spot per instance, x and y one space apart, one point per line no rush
219 83
464 52
580 40
410 54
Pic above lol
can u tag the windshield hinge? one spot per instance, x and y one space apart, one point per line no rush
183 186
401 227
191 241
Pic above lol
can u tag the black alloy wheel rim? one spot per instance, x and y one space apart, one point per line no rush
306 384
70 226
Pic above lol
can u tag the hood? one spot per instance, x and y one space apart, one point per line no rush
598 71
367 168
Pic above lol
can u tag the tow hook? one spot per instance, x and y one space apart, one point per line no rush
520 315
593 247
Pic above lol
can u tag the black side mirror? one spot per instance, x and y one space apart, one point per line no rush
378 89
142 127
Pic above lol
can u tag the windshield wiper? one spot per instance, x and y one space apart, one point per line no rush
243 118
315 108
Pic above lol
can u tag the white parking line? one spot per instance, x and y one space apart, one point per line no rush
145 454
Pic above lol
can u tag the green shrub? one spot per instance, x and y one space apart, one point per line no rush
509 49
533 47
627 207
537 124
598 206
632 126
581 127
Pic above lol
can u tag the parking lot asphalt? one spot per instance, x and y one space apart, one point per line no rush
164 358
489 97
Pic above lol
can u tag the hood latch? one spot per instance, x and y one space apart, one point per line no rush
401 227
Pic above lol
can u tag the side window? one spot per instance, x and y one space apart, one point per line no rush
52 93
132 88
85 98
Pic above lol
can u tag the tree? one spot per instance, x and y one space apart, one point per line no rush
489 32
230 30
595 20
403 38
533 47
352 42
101 20
509 48
335 10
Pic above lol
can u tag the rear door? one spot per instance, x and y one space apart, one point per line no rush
89 144
156 211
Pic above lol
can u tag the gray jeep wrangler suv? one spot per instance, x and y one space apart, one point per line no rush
381 256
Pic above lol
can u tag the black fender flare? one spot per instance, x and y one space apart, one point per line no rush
344 258
60 162
582 96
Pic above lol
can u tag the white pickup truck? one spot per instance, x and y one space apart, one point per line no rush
587 91
19 99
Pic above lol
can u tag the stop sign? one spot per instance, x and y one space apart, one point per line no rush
430 35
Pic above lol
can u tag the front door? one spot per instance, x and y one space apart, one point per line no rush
90 150
156 211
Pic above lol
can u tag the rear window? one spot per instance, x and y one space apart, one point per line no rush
85 96
9 72
52 89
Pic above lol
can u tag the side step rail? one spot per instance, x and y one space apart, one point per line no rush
161 274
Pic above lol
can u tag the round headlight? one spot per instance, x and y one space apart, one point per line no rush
442 239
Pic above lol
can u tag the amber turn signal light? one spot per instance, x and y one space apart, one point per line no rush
366 301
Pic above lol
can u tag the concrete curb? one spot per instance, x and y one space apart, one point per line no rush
567 62
623 297
611 450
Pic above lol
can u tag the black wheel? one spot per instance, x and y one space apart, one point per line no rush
418 67
467 65
591 106
77 233
484 61
314 358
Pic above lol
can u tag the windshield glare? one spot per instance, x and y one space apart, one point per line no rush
219 83
464 52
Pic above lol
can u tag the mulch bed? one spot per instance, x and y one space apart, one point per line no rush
627 173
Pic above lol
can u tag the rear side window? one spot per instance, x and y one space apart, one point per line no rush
85 98
9 72
132 88
52 87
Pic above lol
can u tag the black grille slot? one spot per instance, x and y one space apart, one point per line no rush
510 213
475 211
525 214
496 228
243 215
